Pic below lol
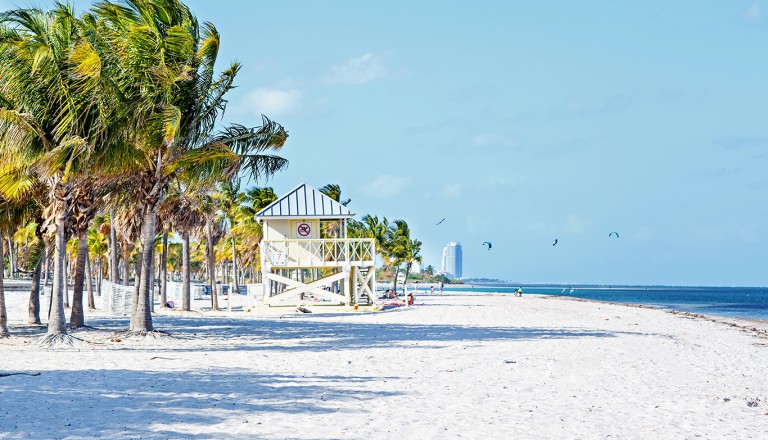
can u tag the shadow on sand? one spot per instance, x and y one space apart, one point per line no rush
125 404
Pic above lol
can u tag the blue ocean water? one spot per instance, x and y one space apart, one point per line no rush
738 302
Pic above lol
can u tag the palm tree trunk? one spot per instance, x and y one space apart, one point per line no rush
211 266
234 266
66 276
126 264
164 269
77 315
11 256
4 333
47 267
185 281
57 321
99 278
89 277
141 319
113 258
152 281
34 296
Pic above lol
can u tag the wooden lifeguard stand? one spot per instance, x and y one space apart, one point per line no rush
301 266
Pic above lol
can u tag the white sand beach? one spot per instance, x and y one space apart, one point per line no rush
459 365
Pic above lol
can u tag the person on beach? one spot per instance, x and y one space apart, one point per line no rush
441 287
431 289
410 299
519 292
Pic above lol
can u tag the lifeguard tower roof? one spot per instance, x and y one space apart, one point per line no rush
303 202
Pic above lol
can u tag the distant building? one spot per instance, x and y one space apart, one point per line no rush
451 264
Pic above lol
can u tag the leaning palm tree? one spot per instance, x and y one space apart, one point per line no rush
179 105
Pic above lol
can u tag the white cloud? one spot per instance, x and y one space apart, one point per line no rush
367 68
386 186
753 14
272 102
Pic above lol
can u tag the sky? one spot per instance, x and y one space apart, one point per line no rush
524 122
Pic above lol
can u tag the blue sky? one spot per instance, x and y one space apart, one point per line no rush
522 122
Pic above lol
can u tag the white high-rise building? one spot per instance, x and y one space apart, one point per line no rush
451 264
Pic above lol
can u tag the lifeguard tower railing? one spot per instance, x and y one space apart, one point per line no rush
319 252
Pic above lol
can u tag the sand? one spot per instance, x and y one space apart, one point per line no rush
458 365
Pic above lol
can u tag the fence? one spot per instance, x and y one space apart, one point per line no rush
173 292
116 298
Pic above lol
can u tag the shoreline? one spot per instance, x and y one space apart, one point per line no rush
745 324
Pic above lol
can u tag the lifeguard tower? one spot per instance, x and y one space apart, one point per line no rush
306 257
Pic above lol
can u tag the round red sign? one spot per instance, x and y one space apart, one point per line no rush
304 229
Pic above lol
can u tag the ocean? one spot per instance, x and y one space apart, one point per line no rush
737 302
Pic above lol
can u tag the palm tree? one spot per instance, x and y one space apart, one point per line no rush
4 333
49 122
164 266
378 230
5 218
184 211
213 233
333 228
401 248
407 251
98 247
177 110
256 199
229 199
333 191
36 92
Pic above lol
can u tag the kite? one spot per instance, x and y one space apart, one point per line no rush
440 222
554 242
614 233
489 244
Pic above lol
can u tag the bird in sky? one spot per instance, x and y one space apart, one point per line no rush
554 242
614 233
440 222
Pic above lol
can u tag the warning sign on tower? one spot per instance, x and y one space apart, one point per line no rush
304 230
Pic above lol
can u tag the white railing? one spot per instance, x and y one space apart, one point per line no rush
116 298
320 252
174 290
